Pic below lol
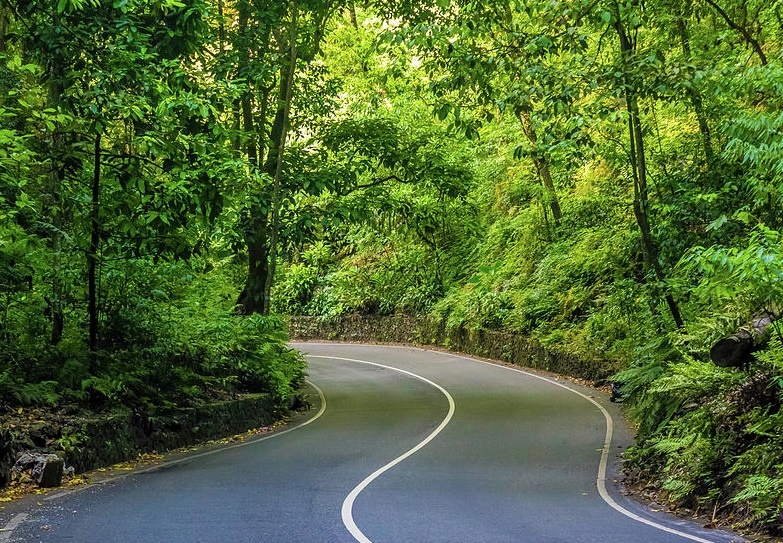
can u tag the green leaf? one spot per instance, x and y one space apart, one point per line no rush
444 111
717 223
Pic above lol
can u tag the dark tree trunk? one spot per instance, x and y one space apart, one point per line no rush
286 91
695 96
251 299
254 297
352 14
54 200
542 167
263 238
639 168
92 253
246 101
5 22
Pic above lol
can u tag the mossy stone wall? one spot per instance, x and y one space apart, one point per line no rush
101 441
495 344
122 437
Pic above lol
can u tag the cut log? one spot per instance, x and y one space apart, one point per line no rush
733 351
736 351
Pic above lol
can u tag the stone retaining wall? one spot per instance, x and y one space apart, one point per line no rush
123 437
494 344
104 440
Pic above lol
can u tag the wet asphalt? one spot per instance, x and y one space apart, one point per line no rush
510 457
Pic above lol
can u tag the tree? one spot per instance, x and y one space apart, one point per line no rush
622 16
492 60
272 48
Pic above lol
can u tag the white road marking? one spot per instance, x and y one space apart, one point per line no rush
203 454
347 509
8 530
602 466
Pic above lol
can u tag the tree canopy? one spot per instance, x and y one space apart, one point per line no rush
605 177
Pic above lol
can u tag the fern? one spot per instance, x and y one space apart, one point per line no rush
679 489
42 393
672 445
691 380
764 495
111 388
759 459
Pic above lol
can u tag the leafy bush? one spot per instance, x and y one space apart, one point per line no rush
21 393
710 435
169 339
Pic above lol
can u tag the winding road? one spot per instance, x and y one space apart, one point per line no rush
402 445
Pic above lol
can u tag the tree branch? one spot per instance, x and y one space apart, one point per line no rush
374 183
742 30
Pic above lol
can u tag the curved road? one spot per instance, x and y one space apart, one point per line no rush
402 446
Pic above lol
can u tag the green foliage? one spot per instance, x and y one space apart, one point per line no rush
184 348
763 495
69 443
711 435
577 175
737 281
19 392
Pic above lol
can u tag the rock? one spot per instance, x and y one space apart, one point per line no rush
24 462
49 472
45 469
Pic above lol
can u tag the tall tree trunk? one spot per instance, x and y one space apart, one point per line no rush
5 24
542 166
352 15
246 101
287 93
251 299
639 169
695 95
221 27
55 200
92 253
262 237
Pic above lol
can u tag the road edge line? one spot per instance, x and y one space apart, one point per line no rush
187 458
8 529
603 464
347 508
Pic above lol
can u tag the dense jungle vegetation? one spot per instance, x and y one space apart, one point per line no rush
602 175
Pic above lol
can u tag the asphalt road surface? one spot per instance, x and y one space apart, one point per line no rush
401 446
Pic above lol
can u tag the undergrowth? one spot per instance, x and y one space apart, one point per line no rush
170 340
709 437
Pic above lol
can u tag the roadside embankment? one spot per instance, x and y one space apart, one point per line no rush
92 441
495 344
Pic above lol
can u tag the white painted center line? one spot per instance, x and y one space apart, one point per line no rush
347 509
